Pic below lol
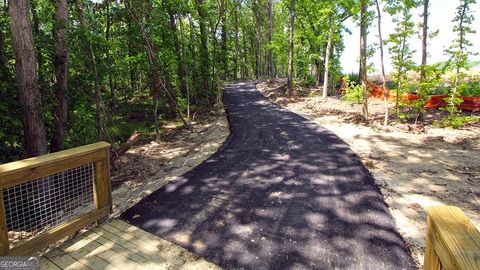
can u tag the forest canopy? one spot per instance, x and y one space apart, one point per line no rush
73 72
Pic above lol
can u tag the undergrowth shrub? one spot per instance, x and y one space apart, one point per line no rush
353 91
456 121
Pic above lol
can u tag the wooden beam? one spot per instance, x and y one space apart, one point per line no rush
453 238
4 243
18 172
101 184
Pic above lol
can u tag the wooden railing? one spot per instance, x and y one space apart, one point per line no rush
452 240
61 167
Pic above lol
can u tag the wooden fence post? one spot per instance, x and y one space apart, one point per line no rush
101 184
431 260
4 243
452 240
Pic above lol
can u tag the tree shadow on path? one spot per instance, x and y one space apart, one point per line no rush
282 193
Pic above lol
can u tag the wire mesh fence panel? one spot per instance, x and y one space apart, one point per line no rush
43 203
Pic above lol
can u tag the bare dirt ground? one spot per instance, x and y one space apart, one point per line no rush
414 167
150 165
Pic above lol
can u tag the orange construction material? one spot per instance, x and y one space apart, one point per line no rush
434 102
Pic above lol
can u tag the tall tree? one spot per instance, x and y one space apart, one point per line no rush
181 70
108 27
424 38
291 47
204 59
223 46
3 58
271 68
422 94
90 54
382 63
27 81
459 49
400 50
238 52
60 63
327 53
363 56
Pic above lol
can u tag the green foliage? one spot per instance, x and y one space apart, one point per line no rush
471 89
457 121
353 91
459 52
432 80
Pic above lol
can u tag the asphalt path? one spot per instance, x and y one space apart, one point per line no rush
281 193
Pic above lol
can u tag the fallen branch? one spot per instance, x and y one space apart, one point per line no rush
116 153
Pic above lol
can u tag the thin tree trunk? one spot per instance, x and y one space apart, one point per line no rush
99 110
204 62
131 53
245 73
382 63
159 82
258 40
3 58
113 95
460 53
224 63
271 67
35 141
178 50
60 64
424 39
327 57
38 33
237 44
400 74
193 56
421 113
363 56
290 48
183 56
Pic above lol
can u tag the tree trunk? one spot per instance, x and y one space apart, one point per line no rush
60 65
160 79
258 40
178 50
39 34
3 58
424 39
194 63
327 57
459 55
271 67
290 47
113 95
384 78
35 141
237 44
223 46
363 56
204 65
245 73
100 115
421 114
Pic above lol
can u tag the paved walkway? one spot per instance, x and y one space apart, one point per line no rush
282 193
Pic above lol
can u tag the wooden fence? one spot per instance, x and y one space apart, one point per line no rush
62 167
452 240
